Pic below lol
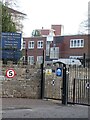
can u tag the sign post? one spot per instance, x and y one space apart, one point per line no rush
59 72
10 73
64 90
11 46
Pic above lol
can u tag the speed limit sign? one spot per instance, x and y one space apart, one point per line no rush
10 73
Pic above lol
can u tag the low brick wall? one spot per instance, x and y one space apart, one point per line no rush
23 85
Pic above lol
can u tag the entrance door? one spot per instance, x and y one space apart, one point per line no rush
53 81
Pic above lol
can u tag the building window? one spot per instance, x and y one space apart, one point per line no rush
82 43
40 44
54 53
31 44
76 43
31 60
24 44
40 59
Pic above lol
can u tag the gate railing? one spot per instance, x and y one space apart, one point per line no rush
75 83
79 84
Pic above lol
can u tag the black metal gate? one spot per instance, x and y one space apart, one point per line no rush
72 87
52 82
79 85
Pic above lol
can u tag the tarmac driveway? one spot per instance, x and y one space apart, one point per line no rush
32 108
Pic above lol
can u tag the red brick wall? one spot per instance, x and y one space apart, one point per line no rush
65 50
36 51
75 51
44 32
57 29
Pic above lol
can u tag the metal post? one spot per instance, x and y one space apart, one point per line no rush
64 91
74 91
43 57
84 57
42 92
26 56
42 78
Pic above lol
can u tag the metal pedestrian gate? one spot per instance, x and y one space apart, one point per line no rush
53 81
79 85
71 84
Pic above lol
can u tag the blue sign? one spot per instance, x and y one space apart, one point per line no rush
59 72
10 54
11 40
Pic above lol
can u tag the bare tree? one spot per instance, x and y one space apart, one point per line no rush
17 17
84 27
10 3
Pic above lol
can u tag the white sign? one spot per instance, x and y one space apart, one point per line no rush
49 38
48 71
53 82
87 85
10 73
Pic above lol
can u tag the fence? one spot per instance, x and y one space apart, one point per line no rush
79 84
72 87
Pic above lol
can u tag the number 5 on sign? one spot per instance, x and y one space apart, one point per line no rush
10 73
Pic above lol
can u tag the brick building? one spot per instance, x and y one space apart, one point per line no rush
74 46
55 45
35 47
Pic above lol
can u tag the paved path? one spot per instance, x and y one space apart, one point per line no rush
29 108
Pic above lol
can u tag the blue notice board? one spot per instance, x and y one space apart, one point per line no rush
10 54
11 40
59 72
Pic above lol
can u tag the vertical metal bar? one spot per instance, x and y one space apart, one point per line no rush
75 69
80 90
43 57
86 101
64 92
26 56
42 81
84 57
74 91
42 78
84 89
67 76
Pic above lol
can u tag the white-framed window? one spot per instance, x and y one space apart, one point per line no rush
39 59
24 44
39 44
31 45
54 53
76 43
31 60
48 48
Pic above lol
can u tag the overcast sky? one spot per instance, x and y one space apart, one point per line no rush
44 13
